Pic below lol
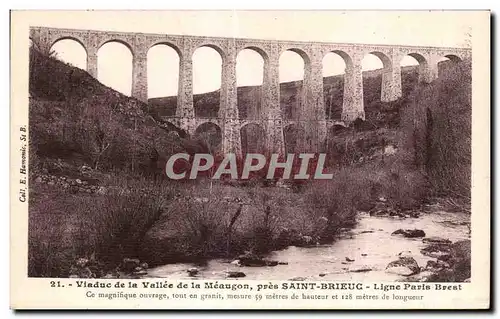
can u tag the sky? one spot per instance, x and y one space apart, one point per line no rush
115 61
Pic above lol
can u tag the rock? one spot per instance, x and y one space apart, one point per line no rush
129 264
349 259
144 265
395 213
436 240
78 181
409 233
406 253
282 263
297 279
192 271
362 268
364 255
414 214
344 262
82 262
322 274
236 262
423 276
235 274
366 231
437 251
271 263
404 266
460 260
433 265
251 260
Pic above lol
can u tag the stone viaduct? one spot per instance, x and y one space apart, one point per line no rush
312 116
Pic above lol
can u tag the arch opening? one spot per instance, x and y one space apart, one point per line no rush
294 136
249 79
253 139
292 65
447 62
413 67
70 51
207 79
163 77
114 65
334 68
209 135
373 66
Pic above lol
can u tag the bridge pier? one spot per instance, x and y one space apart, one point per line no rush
92 62
140 77
272 108
391 82
312 108
185 107
228 111
428 70
353 107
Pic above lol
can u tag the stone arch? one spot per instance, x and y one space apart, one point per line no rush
159 68
214 46
303 54
249 96
294 137
292 89
167 43
207 101
373 78
117 40
73 57
453 57
257 49
120 77
69 37
210 135
446 62
411 74
386 61
253 138
333 82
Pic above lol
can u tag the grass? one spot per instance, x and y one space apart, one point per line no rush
74 120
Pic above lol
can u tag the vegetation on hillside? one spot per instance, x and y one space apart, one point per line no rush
82 130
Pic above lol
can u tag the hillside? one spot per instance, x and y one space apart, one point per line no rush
76 120
95 156
249 97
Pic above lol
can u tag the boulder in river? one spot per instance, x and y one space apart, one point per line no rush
436 240
251 260
297 279
362 268
409 233
129 264
436 265
235 274
193 271
435 250
406 253
405 266
349 259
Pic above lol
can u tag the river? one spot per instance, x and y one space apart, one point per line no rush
370 244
